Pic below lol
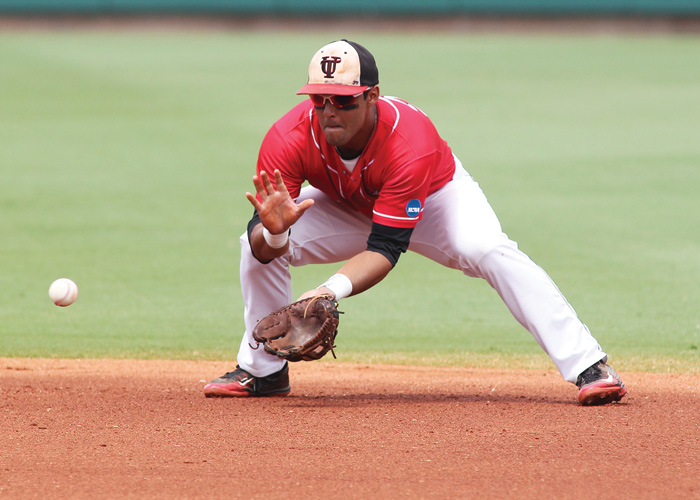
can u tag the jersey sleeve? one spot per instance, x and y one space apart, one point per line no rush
278 153
402 197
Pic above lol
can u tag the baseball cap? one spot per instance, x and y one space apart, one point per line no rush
341 68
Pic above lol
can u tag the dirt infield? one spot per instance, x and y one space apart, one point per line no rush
73 429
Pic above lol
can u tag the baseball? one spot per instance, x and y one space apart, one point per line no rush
63 292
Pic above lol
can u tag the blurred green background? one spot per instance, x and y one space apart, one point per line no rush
125 156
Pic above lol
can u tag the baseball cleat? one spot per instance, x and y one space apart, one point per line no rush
599 385
239 383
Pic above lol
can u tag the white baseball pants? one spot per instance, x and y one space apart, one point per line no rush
460 230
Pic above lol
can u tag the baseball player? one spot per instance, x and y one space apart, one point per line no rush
382 181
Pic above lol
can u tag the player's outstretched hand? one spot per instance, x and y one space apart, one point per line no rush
276 208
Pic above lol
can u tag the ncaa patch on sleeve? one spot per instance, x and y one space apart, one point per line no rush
413 208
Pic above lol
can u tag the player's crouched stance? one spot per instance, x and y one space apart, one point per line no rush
382 181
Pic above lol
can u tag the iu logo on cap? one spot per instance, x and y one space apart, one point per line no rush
329 64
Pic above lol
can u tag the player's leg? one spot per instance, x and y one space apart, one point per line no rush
325 233
460 230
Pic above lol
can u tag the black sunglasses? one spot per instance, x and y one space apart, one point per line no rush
337 101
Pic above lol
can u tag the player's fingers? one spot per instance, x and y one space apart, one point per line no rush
279 182
310 293
305 205
254 201
269 188
259 188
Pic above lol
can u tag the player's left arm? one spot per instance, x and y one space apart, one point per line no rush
396 211
384 247
358 274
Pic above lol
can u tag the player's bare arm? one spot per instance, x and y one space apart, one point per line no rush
364 270
277 211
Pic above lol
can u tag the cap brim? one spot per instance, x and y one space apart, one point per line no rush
331 89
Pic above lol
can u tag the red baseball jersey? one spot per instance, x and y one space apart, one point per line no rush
405 161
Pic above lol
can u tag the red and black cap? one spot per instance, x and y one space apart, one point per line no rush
341 68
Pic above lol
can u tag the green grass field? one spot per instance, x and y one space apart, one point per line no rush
124 159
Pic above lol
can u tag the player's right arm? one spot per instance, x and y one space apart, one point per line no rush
277 184
277 212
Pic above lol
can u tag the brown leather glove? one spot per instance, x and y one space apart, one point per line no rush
302 331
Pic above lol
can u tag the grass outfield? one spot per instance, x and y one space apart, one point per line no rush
125 158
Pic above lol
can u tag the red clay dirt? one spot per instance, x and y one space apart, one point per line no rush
89 429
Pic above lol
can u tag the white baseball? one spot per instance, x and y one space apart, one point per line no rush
63 292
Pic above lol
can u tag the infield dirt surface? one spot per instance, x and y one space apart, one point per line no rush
74 429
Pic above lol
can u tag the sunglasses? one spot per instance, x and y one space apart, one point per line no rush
337 101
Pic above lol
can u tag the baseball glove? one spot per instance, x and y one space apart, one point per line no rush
304 330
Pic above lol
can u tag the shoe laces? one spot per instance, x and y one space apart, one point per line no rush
591 374
237 374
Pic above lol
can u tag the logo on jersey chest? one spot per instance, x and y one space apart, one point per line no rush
413 208
329 64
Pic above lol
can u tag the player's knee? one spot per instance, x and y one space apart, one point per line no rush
472 253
